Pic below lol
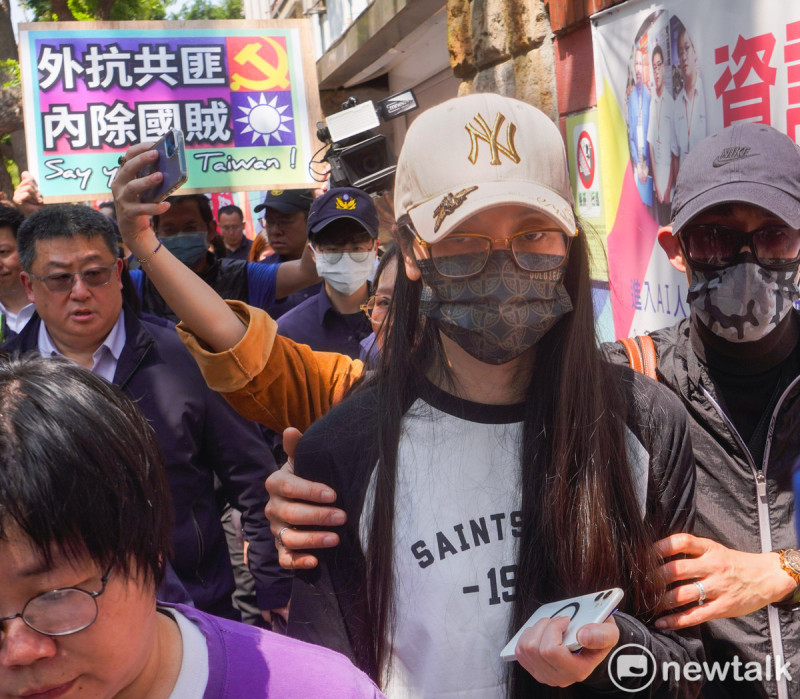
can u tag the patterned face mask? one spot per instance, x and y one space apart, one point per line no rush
744 302
498 314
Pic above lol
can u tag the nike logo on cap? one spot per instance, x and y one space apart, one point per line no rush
730 155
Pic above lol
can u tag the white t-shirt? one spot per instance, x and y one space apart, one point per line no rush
457 501
457 522
193 677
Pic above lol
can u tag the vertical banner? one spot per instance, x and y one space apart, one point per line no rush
667 77
244 94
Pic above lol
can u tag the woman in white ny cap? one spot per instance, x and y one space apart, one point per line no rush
493 462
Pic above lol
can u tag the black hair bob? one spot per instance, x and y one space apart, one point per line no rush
81 472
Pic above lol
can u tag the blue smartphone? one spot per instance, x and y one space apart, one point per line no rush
171 163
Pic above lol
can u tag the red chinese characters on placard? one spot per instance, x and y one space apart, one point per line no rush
745 90
791 56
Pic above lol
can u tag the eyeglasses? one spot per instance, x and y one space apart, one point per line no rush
376 308
360 253
713 245
465 254
64 281
282 222
61 612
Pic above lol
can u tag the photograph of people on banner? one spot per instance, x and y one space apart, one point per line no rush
666 78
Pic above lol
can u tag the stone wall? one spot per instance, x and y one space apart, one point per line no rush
504 46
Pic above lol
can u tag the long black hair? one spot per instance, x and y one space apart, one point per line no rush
577 490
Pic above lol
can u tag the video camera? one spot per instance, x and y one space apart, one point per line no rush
357 156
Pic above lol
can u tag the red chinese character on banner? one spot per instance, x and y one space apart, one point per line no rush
749 102
791 55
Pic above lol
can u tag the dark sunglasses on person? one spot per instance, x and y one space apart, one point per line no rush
713 245
64 281
465 254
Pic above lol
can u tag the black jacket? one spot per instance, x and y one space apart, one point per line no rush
341 449
227 277
200 435
730 509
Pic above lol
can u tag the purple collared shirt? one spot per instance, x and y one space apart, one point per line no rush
316 323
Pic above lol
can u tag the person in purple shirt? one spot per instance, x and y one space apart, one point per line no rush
342 234
84 539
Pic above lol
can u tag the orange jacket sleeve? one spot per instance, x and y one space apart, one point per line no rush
271 379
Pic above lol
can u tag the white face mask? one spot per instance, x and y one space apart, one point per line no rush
346 275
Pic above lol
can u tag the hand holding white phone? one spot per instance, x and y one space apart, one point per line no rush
593 608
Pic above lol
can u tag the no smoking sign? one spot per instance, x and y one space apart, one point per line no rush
586 159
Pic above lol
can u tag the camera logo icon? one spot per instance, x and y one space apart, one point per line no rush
632 668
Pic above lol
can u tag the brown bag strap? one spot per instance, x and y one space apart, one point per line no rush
648 355
641 352
634 353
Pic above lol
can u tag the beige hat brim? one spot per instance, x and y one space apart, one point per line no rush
488 195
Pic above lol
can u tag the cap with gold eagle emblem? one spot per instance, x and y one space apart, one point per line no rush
343 202
476 152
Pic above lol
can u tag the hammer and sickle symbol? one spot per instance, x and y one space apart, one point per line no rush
274 76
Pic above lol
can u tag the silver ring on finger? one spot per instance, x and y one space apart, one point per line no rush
279 538
701 601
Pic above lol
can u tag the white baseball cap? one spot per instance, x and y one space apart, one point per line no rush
476 152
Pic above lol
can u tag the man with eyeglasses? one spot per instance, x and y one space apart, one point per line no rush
283 217
342 233
84 538
71 272
231 227
735 363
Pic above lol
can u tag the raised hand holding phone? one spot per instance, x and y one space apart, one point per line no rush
171 164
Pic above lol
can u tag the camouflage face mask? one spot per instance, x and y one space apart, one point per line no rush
743 302
498 314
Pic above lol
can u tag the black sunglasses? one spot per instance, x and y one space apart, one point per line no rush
714 246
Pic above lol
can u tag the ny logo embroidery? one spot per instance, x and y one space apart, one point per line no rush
490 136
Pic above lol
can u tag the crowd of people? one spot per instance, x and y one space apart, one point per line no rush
422 447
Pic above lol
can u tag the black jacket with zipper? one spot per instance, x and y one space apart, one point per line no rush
741 504
200 436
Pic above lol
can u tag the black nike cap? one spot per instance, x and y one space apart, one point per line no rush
744 163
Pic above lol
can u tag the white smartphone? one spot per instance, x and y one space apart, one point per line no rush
586 609
171 162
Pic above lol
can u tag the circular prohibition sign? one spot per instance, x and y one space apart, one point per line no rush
586 159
